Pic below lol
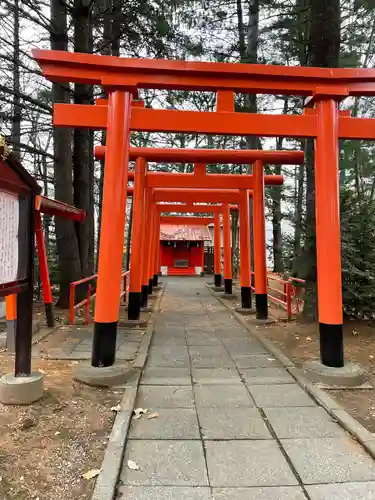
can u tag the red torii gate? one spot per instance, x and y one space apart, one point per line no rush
199 179
58 208
326 87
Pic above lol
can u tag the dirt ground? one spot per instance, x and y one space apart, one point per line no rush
301 343
45 448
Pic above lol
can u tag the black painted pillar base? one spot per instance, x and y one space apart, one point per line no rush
144 296
217 280
246 297
331 345
261 304
150 285
104 344
228 286
49 315
156 280
134 305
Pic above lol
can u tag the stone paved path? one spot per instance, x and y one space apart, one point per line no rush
78 344
232 425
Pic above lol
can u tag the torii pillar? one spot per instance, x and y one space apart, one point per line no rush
227 251
217 250
135 285
112 230
245 261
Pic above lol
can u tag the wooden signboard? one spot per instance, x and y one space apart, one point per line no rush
17 192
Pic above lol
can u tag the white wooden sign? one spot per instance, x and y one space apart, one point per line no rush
9 224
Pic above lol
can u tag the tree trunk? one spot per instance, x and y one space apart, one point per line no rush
298 213
17 113
82 145
323 51
248 48
276 192
111 46
66 238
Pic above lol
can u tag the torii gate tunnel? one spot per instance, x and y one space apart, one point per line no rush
196 184
322 121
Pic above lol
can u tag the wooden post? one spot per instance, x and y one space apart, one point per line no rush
328 248
227 251
217 250
135 285
43 268
245 268
259 229
112 230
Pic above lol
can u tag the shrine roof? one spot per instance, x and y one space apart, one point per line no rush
169 232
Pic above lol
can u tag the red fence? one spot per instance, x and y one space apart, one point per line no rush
288 295
73 307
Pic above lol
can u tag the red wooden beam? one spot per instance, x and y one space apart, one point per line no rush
186 221
161 120
54 207
210 156
210 181
158 120
191 208
183 75
197 195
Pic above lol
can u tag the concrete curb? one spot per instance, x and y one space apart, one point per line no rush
106 484
335 410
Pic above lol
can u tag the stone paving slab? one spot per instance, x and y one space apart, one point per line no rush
228 396
275 493
202 340
210 357
169 463
165 493
302 423
239 347
347 491
270 396
232 423
167 341
216 376
175 356
165 397
155 375
330 460
170 424
247 463
255 361
262 376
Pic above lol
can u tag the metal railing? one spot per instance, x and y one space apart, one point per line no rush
73 307
289 297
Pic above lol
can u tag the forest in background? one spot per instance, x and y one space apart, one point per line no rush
324 33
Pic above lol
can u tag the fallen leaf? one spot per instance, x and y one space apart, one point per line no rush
26 423
133 465
91 473
138 412
116 408
153 415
